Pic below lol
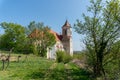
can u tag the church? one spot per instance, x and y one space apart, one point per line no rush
63 41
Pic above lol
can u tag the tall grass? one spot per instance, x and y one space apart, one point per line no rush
37 68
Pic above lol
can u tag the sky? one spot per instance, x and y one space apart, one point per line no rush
52 13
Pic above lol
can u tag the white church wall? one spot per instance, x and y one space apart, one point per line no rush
51 53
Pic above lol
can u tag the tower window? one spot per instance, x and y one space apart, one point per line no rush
65 32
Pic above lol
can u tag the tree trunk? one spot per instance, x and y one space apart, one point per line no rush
3 64
8 62
98 67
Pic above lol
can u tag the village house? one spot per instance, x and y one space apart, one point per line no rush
63 41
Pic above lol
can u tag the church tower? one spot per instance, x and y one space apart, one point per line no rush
67 38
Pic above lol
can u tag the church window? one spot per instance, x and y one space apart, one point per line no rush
65 32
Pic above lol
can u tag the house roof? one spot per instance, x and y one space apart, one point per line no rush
36 33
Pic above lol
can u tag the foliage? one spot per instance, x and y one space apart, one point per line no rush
32 26
102 29
14 36
113 64
34 49
61 56
67 58
80 55
44 39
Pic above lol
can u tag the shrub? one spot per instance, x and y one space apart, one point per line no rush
66 58
61 56
34 49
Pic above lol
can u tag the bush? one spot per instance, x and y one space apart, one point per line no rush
66 58
61 56
34 49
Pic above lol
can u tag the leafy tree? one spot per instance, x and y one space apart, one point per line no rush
14 36
102 29
44 39
113 62
32 26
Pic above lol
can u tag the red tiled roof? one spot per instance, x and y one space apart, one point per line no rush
36 34
57 36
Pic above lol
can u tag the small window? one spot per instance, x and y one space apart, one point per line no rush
65 32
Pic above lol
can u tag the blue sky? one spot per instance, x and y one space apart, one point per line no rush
51 12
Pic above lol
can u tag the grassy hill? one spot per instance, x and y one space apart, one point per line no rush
37 68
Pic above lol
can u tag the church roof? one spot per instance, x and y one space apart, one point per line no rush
36 33
66 24
57 36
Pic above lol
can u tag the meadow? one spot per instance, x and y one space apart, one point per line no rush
31 67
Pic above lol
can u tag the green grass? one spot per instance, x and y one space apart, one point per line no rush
80 56
37 68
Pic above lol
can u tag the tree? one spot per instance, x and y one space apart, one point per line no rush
102 29
14 36
44 39
32 26
113 62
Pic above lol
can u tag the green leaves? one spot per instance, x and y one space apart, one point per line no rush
102 30
14 36
95 6
33 25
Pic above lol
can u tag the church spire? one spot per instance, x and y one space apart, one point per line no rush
66 24
66 29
